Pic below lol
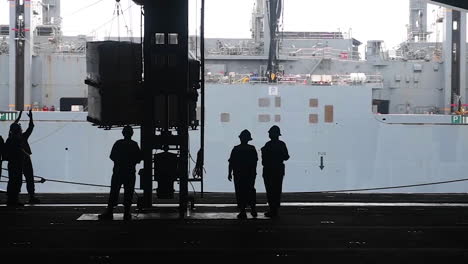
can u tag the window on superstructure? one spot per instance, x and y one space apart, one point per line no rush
277 101
264 102
4 30
160 38
173 39
277 118
225 117
329 114
264 118
313 118
313 102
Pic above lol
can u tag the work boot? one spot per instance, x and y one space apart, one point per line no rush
271 214
34 200
242 215
107 215
253 212
127 216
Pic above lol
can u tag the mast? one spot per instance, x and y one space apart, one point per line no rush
273 10
417 29
20 55
51 13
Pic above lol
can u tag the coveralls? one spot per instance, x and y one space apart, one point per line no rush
125 154
17 152
2 147
274 153
243 161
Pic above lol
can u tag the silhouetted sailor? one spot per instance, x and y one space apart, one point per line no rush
274 153
126 155
243 162
14 154
166 165
2 147
18 153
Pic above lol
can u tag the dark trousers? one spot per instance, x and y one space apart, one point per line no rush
244 186
274 187
128 181
15 180
29 176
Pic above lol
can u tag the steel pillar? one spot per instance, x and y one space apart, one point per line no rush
28 50
166 75
20 55
454 58
463 57
13 52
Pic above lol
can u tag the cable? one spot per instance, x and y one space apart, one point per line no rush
109 21
129 32
84 8
332 191
59 128
193 188
394 187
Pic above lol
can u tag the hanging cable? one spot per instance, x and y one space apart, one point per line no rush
84 8
130 30
109 21
43 180
117 7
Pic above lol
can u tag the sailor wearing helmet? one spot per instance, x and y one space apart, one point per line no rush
243 164
274 153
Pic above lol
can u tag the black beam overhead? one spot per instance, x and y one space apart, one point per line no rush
455 3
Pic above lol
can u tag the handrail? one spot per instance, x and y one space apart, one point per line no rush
311 79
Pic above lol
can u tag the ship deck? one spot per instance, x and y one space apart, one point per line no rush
331 228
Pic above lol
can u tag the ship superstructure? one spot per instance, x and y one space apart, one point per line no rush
351 122
416 80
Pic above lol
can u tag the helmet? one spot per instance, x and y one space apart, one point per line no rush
275 130
245 135
127 130
15 128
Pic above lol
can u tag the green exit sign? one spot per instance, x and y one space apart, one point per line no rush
459 119
7 116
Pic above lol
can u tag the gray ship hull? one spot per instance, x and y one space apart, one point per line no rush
359 148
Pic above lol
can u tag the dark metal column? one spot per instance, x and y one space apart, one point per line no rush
456 44
202 65
20 53
166 90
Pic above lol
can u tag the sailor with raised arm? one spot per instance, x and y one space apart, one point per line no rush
18 153
2 146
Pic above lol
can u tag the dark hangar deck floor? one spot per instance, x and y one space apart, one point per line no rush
313 228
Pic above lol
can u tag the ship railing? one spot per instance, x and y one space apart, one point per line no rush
350 79
356 79
234 51
233 78
327 53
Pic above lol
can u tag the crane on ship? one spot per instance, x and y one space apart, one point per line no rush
274 14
